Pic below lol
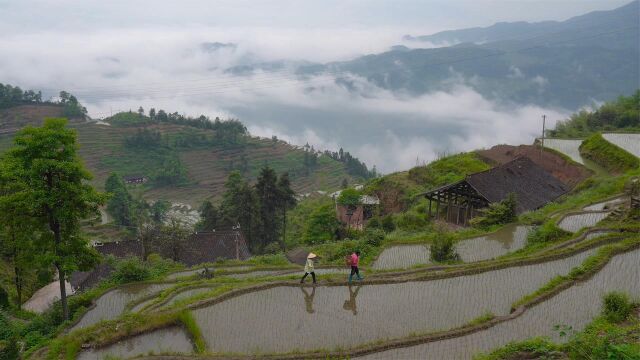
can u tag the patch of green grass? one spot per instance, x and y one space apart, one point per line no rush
194 330
609 156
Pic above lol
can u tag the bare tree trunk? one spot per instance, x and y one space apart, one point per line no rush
18 280
63 291
55 227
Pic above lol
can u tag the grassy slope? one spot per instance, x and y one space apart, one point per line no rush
103 151
611 157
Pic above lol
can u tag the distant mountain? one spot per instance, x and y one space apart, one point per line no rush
568 64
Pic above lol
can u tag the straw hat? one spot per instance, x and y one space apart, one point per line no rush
311 256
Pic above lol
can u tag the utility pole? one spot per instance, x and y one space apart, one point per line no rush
544 120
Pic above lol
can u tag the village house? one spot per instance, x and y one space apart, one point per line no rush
461 201
357 216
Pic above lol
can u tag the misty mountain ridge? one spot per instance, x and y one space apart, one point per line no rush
568 64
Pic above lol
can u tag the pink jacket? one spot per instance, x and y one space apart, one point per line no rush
354 259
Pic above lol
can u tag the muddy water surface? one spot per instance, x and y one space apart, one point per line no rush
402 257
171 340
575 307
112 304
286 318
576 222
607 204
571 148
510 238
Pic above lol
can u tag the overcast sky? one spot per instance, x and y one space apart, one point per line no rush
117 55
19 16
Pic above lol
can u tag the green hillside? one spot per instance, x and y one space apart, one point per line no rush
203 161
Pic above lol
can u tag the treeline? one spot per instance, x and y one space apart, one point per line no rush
11 96
622 114
260 209
354 166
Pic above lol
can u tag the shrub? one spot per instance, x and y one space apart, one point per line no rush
387 223
498 213
616 306
443 248
322 225
374 237
131 269
374 223
272 248
9 349
547 232
411 221
349 197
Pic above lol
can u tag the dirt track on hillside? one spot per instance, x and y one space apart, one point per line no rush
569 173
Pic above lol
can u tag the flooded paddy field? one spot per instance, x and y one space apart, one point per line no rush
629 142
402 257
575 307
571 148
285 318
510 238
113 303
171 340
576 222
260 273
609 204
187 294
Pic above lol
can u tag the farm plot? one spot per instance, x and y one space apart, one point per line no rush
510 238
606 205
113 303
400 257
629 142
574 307
576 222
571 148
339 316
171 340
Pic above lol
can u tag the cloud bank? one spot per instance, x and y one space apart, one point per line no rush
168 68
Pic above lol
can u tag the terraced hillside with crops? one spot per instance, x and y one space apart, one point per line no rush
103 149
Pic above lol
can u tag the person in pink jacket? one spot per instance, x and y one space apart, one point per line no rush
353 261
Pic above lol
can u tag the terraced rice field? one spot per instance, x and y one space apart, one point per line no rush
402 257
609 204
171 340
576 222
338 316
571 148
510 238
575 307
629 142
113 303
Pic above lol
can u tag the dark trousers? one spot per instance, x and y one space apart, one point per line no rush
354 271
313 275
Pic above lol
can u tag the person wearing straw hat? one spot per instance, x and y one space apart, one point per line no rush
308 268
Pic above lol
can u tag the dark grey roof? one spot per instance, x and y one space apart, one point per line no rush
532 185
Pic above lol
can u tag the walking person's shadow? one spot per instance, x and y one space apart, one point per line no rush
308 299
350 305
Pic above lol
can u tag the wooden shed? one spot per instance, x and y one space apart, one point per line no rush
459 202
